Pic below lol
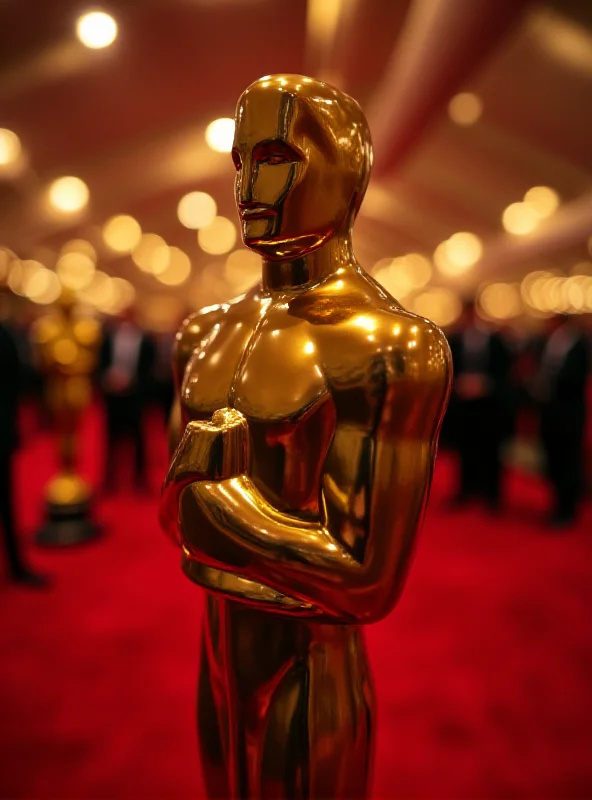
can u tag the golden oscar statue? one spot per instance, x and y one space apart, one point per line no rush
67 350
306 428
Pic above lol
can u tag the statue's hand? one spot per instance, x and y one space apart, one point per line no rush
213 450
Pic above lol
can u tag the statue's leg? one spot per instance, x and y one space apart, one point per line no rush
318 740
212 732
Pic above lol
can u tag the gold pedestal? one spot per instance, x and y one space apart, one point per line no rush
68 513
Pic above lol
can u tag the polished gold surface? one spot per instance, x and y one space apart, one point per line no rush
66 349
305 436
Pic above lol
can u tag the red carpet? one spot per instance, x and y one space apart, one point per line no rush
484 672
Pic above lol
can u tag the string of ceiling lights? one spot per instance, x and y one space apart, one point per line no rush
122 235
405 277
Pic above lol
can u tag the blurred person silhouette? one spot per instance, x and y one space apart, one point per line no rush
479 407
125 368
560 388
163 371
10 384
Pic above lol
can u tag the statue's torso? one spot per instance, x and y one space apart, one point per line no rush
307 372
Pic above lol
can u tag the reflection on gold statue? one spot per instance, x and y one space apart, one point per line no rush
305 437
67 350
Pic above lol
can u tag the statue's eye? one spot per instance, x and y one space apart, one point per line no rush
275 151
236 159
275 158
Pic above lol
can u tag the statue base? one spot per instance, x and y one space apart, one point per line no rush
68 513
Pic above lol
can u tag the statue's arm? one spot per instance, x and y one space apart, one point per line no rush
375 485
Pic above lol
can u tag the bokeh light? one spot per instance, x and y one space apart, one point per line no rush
79 246
543 199
465 108
75 270
218 237
44 287
438 304
459 254
68 194
96 30
122 233
500 301
220 134
196 210
520 219
402 275
177 267
146 255
10 148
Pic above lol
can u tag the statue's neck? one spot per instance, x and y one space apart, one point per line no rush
299 273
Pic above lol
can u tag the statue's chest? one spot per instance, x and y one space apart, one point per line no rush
269 369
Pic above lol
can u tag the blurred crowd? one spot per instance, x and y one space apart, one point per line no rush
517 397
521 398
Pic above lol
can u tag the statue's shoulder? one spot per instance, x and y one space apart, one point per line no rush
368 328
201 323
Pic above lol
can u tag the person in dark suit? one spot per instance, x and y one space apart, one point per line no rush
10 383
479 407
560 389
125 366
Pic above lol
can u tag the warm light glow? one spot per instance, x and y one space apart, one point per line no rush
465 108
20 275
396 282
75 270
520 219
6 259
458 254
145 254
218 237
463 249
68 194
122 233
500 300
96 29
220 134
177 269
80 246
29 268
44 287
242 270
565 39
10 148
400 276
124 295
196 210
544 200
439 305
365 322
99 293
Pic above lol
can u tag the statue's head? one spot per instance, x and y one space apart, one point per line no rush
303 153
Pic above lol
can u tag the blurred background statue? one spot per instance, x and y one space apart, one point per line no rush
67 348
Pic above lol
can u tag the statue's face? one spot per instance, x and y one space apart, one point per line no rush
292 193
